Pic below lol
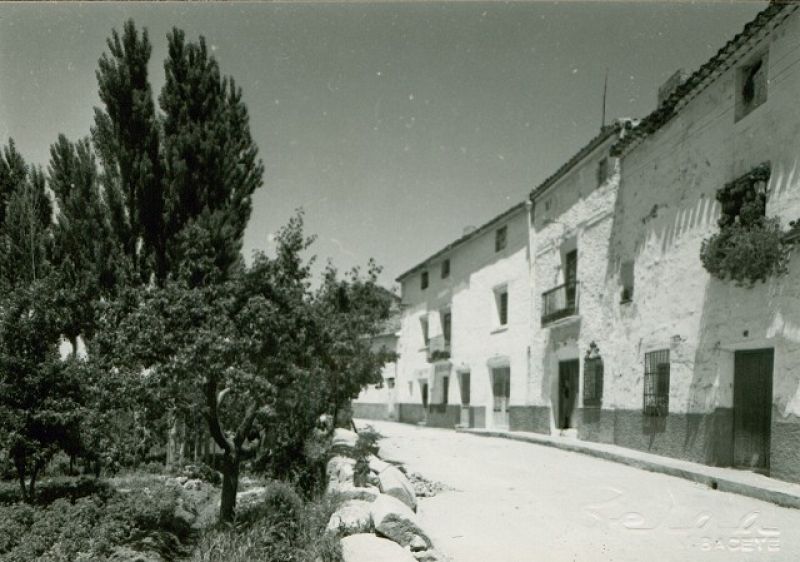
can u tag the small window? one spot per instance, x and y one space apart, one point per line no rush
390 382
626 276
602 171
423 322
423 283
501 301
656 383
500 238
751 86
445 269
593 382
547 205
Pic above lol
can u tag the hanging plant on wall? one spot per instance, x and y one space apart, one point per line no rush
749 246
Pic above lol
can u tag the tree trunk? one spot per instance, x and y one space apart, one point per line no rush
32 484
172 441
21 474
230 484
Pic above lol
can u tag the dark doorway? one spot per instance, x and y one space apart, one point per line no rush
567 392
463 379
501 391
752 408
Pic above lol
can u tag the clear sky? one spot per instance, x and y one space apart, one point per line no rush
394 125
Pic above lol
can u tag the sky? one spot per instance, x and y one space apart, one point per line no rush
392 125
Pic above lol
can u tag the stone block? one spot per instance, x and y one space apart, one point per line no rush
395 520
365 547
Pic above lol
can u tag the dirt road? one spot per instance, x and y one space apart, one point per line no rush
516 502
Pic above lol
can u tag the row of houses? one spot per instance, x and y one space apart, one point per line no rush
586 309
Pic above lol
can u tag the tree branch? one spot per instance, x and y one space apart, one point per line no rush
212 414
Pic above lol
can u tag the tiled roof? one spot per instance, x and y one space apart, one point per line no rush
776 12
605 133
480 230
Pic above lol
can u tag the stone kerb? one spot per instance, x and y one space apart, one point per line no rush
375 523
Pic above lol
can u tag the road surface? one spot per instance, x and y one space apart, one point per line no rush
519 502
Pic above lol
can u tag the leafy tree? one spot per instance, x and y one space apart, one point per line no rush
40 397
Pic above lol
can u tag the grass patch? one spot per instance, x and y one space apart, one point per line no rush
280 528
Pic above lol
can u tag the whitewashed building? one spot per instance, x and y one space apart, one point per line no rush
465 330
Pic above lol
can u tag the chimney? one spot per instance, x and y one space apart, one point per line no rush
671 84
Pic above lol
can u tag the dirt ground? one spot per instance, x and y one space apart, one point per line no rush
515 502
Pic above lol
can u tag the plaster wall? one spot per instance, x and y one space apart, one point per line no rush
478 340
575 213
665 209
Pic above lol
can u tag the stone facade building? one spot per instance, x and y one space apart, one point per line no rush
616 332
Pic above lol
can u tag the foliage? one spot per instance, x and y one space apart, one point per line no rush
88 528
51 489
40 396
282 528
749 246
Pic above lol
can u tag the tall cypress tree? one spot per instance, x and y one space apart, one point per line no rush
126 138
25 225
211 162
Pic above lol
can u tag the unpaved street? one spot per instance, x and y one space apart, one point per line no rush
517 501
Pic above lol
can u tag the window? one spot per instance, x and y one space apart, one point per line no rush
626 276
500 238
424 325
445 269
656 383
446 321
390 382
423 280
593 381
751 86
602 171
501 302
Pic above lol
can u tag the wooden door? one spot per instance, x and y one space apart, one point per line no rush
567 392
501 389
752 408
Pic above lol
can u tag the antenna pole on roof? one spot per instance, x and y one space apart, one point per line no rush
605 89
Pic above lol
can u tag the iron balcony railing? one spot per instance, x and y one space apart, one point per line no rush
560 302
438 349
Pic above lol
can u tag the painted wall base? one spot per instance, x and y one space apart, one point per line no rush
529 418
445 416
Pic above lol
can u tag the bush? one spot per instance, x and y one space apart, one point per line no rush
201 471
52 489
281 528
89 528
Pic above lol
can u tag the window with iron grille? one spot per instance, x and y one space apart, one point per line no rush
593 381
423 280
656 383
445 269
500 238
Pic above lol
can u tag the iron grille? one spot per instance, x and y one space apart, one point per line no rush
656 383
592 381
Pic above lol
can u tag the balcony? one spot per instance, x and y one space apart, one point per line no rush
438 349
560 302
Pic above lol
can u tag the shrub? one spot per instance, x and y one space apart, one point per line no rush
202 472
279 528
